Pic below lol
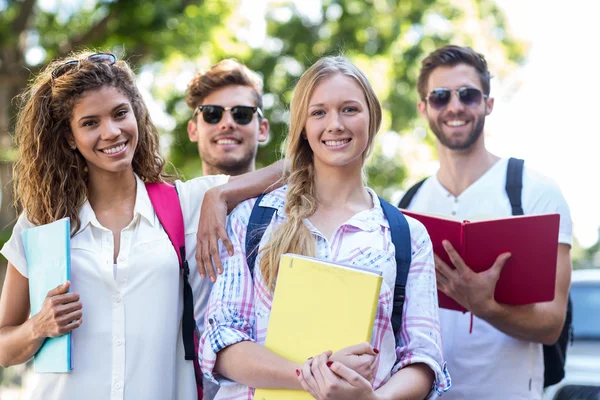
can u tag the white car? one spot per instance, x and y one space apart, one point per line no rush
582 369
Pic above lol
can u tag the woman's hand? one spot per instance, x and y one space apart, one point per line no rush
361 358
61 313
327 380
211 228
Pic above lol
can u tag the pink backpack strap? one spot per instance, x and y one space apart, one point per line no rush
165 201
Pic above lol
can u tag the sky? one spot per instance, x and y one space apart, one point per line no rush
551 120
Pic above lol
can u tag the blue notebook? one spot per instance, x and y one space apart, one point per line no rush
48 254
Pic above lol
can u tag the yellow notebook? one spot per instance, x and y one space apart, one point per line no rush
318 306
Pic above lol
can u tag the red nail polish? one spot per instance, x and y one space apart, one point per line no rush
298 372
329 363
376 351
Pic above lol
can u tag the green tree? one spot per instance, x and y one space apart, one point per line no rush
385 38
34 32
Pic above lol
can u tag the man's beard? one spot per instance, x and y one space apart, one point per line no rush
230 166
472 136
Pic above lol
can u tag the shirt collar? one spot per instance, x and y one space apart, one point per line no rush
367 220
143 208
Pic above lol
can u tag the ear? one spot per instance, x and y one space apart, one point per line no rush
263 130
71 142
489 105
422 108
192 130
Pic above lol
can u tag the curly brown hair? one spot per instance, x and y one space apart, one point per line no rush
50 178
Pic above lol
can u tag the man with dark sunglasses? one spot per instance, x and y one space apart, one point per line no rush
227 123
494 351
228 120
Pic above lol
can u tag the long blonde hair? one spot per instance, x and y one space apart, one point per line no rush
293 236
50 178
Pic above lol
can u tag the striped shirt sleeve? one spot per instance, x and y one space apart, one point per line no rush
229 317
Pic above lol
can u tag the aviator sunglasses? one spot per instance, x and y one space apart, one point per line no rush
107 58
241 114
470 97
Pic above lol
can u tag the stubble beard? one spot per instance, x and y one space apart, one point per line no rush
472 136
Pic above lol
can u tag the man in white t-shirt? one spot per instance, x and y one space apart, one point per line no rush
495 350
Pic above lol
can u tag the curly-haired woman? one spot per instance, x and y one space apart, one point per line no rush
87 147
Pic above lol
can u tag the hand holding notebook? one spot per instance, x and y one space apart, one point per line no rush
47 250
529 275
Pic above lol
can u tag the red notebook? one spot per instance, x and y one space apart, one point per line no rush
528 276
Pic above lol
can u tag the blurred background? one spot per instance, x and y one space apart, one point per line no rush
539 53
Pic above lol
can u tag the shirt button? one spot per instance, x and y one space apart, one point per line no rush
118 342
117 298
211 321
118 385
453 212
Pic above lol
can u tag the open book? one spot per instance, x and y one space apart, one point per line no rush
529 275
318 306
48 254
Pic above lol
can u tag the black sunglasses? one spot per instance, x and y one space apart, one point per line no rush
241 114
107 58
470 97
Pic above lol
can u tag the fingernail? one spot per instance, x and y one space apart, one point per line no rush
376 351
310 358
329 363
298 372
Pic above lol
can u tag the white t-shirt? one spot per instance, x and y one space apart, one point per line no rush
129 345
488 364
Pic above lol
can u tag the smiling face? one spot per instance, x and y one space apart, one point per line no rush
227 146
337 125
105 130
457 126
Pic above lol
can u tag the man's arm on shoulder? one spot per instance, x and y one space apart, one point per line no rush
219 201
539 322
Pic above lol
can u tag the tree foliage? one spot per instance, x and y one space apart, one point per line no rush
386 39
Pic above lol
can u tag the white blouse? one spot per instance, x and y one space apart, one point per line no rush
129 345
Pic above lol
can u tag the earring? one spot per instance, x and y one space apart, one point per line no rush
73 147
85 169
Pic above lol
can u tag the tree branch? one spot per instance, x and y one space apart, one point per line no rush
25 12
94 33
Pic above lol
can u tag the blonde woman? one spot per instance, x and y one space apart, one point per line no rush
326 211
87 147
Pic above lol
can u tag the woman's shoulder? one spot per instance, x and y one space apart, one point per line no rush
274 199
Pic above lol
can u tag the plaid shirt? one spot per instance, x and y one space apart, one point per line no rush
239 306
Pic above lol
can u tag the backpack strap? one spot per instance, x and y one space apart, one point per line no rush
260 218
165 202
410 193
400 233
514 184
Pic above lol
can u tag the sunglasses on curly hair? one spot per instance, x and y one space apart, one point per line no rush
73 65
241 114
470 97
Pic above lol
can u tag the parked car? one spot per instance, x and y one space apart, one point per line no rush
582 369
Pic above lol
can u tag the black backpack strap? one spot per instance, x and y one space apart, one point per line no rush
410 193
400 233
514 184
260 218
554 355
